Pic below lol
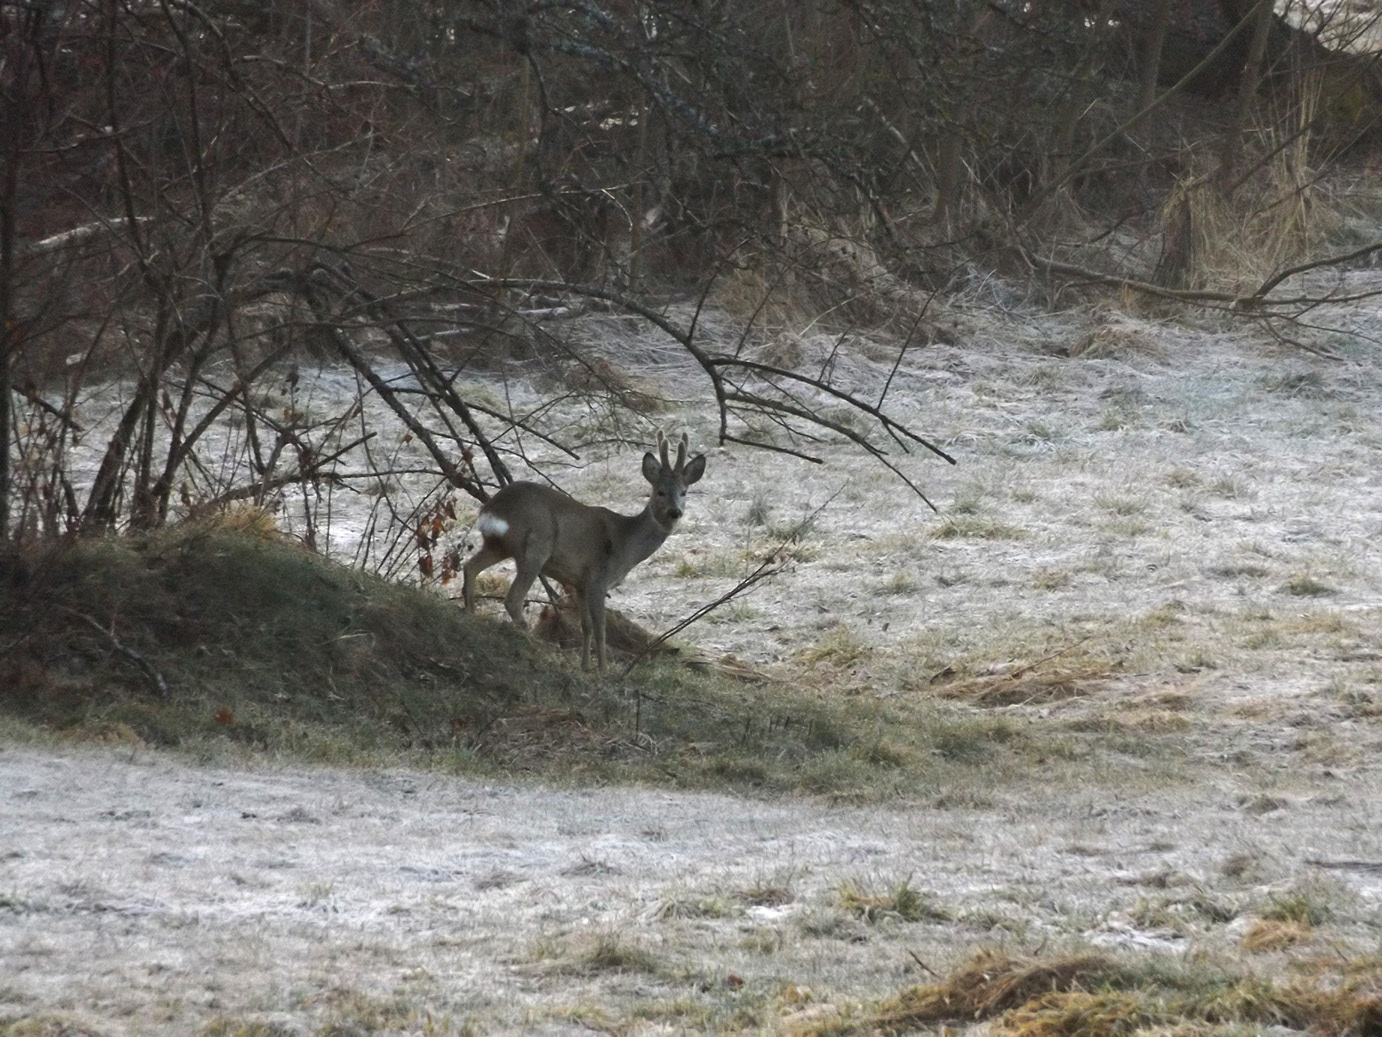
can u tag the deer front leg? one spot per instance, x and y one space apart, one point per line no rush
595 605
583 612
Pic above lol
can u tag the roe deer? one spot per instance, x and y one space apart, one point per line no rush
587 548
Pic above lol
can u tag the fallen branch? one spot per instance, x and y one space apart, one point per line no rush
771 565
155 678
1300 268
1053 266
31 394
765 570
1256 300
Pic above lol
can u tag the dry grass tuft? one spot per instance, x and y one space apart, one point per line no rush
1110 340
839 646
990 984
610 953
901 903
1096 996
1053 678
533 734
1240 238
1306 586
1270 935
1075 1013
53 1026
1167 698
248 519
971 527
1033 689
1322 1010
600 377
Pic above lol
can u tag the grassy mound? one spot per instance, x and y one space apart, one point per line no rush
208 639
205 634
212 640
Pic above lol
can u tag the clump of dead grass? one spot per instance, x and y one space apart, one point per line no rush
1029 689
1072 1013
1270 935
900 902
1129 721
1069 672
1050 579
767 893
1309 905
990 984
1092 995
1267 220
59 1026
709 906
839 646
1109 339
605 380
1303 585
612 953
975 527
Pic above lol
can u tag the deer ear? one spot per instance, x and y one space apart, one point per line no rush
652 467
694 470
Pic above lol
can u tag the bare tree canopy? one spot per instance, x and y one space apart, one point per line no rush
196 198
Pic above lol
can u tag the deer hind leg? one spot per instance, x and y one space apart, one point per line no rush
488 554
529 567
513 601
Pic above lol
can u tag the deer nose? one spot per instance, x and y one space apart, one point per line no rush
674 513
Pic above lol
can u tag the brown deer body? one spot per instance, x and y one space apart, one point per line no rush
589 549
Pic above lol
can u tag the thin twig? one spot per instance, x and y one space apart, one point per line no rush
923 964
1304 347
727 392
33 397
155 678
765 570
1300 268
768 568
1012 675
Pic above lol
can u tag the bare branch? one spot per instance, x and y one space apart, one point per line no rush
155 679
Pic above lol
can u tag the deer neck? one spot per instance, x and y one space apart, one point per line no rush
641 536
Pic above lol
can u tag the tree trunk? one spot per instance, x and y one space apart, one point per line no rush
9 329
17 109
1153 40
1260 17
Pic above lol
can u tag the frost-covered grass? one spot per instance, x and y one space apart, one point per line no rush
1132 741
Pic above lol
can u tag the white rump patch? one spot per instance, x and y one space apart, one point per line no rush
492 525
